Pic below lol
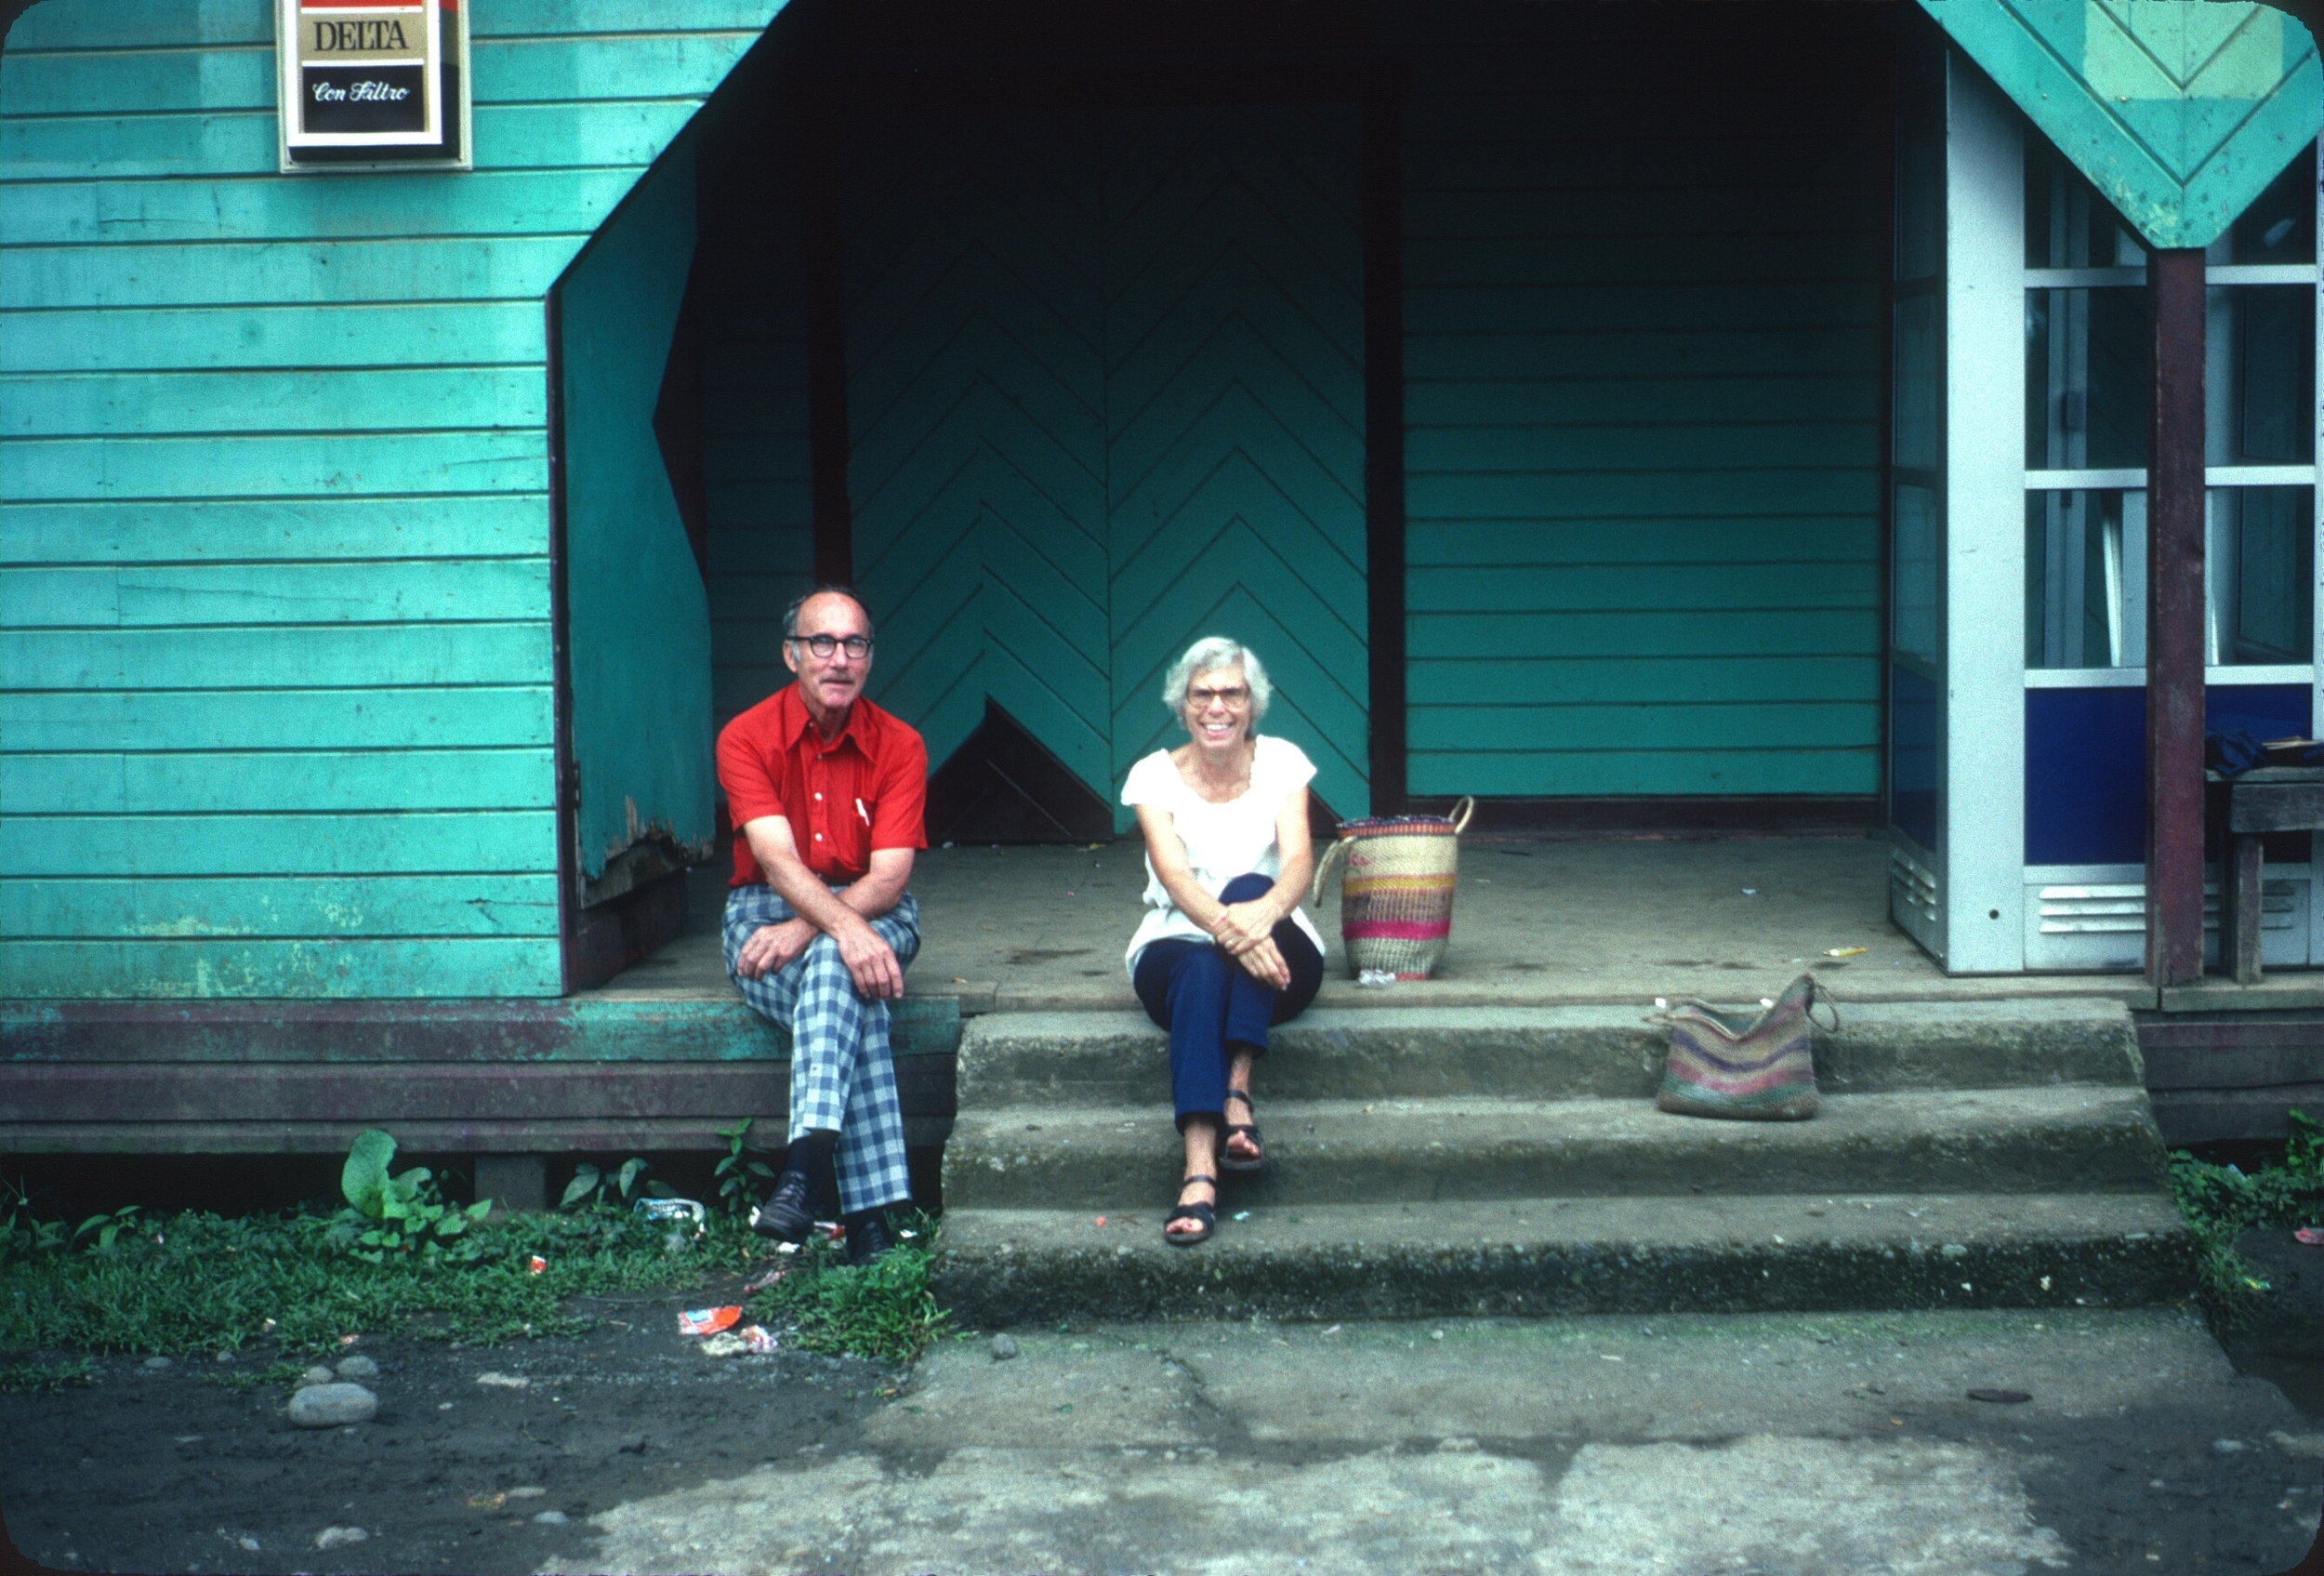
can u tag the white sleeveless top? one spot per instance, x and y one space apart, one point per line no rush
1222 841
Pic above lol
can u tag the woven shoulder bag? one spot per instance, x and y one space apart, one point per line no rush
1744 1066
1397 896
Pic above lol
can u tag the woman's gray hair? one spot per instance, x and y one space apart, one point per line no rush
1210 654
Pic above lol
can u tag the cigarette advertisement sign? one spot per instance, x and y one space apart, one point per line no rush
373 81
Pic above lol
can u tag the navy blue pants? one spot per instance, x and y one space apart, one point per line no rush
1212 1005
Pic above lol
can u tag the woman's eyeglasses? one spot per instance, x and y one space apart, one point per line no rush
857 646
1232 699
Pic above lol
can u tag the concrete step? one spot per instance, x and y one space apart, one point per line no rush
2089 1138
1642 1255
1012 1059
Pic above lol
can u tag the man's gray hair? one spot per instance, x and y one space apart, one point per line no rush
790 614
1209 654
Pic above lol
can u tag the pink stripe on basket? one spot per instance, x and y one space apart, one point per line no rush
1395 930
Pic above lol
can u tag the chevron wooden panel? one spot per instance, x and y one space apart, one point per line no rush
976 399
1235 404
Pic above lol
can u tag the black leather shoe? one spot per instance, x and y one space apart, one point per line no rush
785 1216
867 1237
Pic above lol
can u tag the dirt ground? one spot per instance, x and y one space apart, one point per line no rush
2142 1450
166 1470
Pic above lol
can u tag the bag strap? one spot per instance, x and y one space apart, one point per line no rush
1463 807
1323 868
1817 988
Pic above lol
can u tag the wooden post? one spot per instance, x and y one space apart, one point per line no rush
1383 445
2174 623
823 240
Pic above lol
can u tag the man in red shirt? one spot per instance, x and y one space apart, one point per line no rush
825 791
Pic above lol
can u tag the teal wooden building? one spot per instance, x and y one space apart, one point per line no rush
1740 425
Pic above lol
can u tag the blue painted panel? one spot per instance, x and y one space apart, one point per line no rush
1912 761
639 623
2086 765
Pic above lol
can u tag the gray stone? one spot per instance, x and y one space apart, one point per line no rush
2228 1447
157 1364
339 1537
358 1368
2065 1138
1361 1052
317 1375
1534 1256
1004 1347
329 1405
551 1518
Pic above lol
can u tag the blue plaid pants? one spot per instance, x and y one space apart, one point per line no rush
842 1075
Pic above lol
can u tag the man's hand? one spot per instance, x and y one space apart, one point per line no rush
871 962
769 949
1264 963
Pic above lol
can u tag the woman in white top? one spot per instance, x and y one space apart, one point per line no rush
1224 951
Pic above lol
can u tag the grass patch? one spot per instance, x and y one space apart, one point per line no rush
883 1311
2220 1203
242 1380
49 1375
198 1284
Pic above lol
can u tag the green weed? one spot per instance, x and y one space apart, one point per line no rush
49 1375
388 1215
742 1172
202 1283
2222 1203
883 1311
243 1380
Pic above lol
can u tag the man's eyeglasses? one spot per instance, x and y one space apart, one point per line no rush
1233 699
857 646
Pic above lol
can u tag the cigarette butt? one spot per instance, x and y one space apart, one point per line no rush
1845 951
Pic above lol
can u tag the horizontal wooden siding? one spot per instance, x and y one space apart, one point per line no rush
1643 341
273 512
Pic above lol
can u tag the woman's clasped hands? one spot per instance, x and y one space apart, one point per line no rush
1246 931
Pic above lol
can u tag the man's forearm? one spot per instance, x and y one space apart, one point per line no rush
873 892
870 895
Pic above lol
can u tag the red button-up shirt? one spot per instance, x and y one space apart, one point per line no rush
863 791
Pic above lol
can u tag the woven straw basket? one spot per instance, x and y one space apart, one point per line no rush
1397 896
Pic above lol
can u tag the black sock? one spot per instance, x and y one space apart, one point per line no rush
810 1151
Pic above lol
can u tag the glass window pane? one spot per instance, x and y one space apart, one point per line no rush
2085 579
2260 559
2087 354
2067 224
1916 566
2260 380
2280 227
1919 373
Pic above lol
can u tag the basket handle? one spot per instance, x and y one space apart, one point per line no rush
1323 868
1463 807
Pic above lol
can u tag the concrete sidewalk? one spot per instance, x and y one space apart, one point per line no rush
1808 1444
